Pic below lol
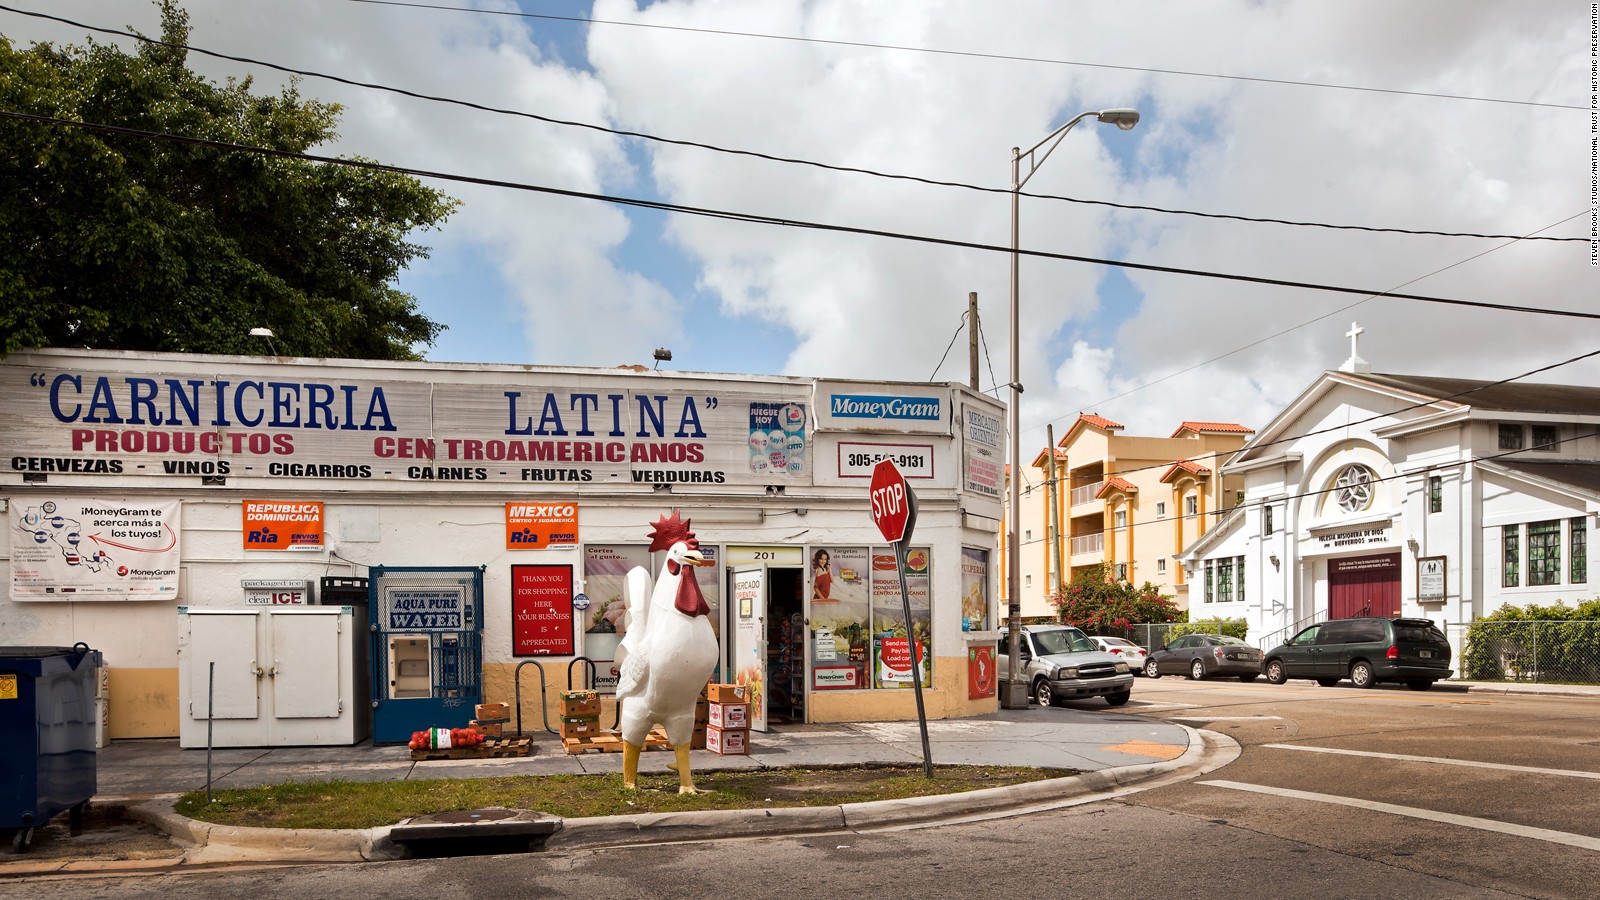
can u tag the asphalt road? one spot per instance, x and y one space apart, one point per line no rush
1521 823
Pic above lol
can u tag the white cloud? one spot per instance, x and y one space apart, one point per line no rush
590 286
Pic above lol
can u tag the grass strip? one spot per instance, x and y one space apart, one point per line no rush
369 804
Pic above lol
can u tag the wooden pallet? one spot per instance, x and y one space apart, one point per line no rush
611 742
494 748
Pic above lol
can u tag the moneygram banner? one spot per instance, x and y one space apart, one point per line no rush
293 423
94 549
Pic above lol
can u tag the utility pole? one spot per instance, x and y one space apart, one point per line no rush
1053 497
972 339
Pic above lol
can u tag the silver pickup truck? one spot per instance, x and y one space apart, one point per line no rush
1061 663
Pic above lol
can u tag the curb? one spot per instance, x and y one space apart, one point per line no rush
214 844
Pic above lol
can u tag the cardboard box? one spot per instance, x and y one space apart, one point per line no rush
576 709
732 742
493 712
698 740
727 693
582 726
488 729
729 715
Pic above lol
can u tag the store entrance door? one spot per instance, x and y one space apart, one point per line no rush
750 638
786 646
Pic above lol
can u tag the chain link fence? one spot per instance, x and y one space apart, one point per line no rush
1546 652
1154 636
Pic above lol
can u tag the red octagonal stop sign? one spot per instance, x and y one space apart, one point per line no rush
890 503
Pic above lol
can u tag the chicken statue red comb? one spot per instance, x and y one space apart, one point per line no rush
669 530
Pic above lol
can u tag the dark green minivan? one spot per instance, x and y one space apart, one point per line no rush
1364 650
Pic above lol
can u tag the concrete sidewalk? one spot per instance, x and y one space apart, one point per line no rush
1111 751
1115 752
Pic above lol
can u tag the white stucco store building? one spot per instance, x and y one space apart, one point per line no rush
1394 495
142 491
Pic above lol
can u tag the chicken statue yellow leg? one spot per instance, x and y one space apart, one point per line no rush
685 780
630 765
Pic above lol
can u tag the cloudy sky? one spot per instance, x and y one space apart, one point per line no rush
1432 116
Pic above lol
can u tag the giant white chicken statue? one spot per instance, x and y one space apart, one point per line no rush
667 653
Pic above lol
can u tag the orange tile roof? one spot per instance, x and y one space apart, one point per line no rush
1099 421
1040 462
1186 465
1119 484
1213 428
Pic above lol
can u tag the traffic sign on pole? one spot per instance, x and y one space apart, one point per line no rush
894 511
891 502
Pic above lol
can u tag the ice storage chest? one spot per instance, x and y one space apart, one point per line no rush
47 744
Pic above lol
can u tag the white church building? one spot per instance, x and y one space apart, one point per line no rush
1397 495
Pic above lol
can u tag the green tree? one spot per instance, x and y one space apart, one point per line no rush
128 243
1100 604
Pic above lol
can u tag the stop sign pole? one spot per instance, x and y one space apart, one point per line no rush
894 511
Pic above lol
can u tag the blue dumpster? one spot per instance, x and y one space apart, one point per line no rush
47 727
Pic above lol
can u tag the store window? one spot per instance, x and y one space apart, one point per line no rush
1578 550
1510 556
1435 494
1544 552
1266 521
974 589
862 610
1209 593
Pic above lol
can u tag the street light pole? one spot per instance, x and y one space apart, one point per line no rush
1015 695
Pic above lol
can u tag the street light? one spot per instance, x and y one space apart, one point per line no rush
265 333
1015 695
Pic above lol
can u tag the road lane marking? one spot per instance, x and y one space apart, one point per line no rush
1527 831
1532 770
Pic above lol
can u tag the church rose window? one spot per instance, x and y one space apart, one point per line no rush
1352 489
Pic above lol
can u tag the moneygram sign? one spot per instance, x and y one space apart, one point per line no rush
857 406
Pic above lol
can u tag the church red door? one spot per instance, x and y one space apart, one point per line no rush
1364 586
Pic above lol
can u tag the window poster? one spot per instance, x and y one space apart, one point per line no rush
891 648
605 578
974 589
841 606
541 611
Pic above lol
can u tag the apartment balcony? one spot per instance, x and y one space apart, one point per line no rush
1088 545
1085 494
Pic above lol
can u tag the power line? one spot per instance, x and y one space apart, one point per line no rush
972 54
468 104
753 218
1221 513
1372 418
1326 315
949 346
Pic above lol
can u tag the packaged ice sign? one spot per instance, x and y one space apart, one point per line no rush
277 592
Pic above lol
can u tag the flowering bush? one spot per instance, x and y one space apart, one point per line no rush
1099 604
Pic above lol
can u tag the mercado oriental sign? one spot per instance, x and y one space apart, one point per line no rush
299 422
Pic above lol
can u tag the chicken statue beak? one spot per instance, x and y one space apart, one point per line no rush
695 558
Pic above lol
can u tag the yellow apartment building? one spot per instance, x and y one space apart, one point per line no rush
1129 501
